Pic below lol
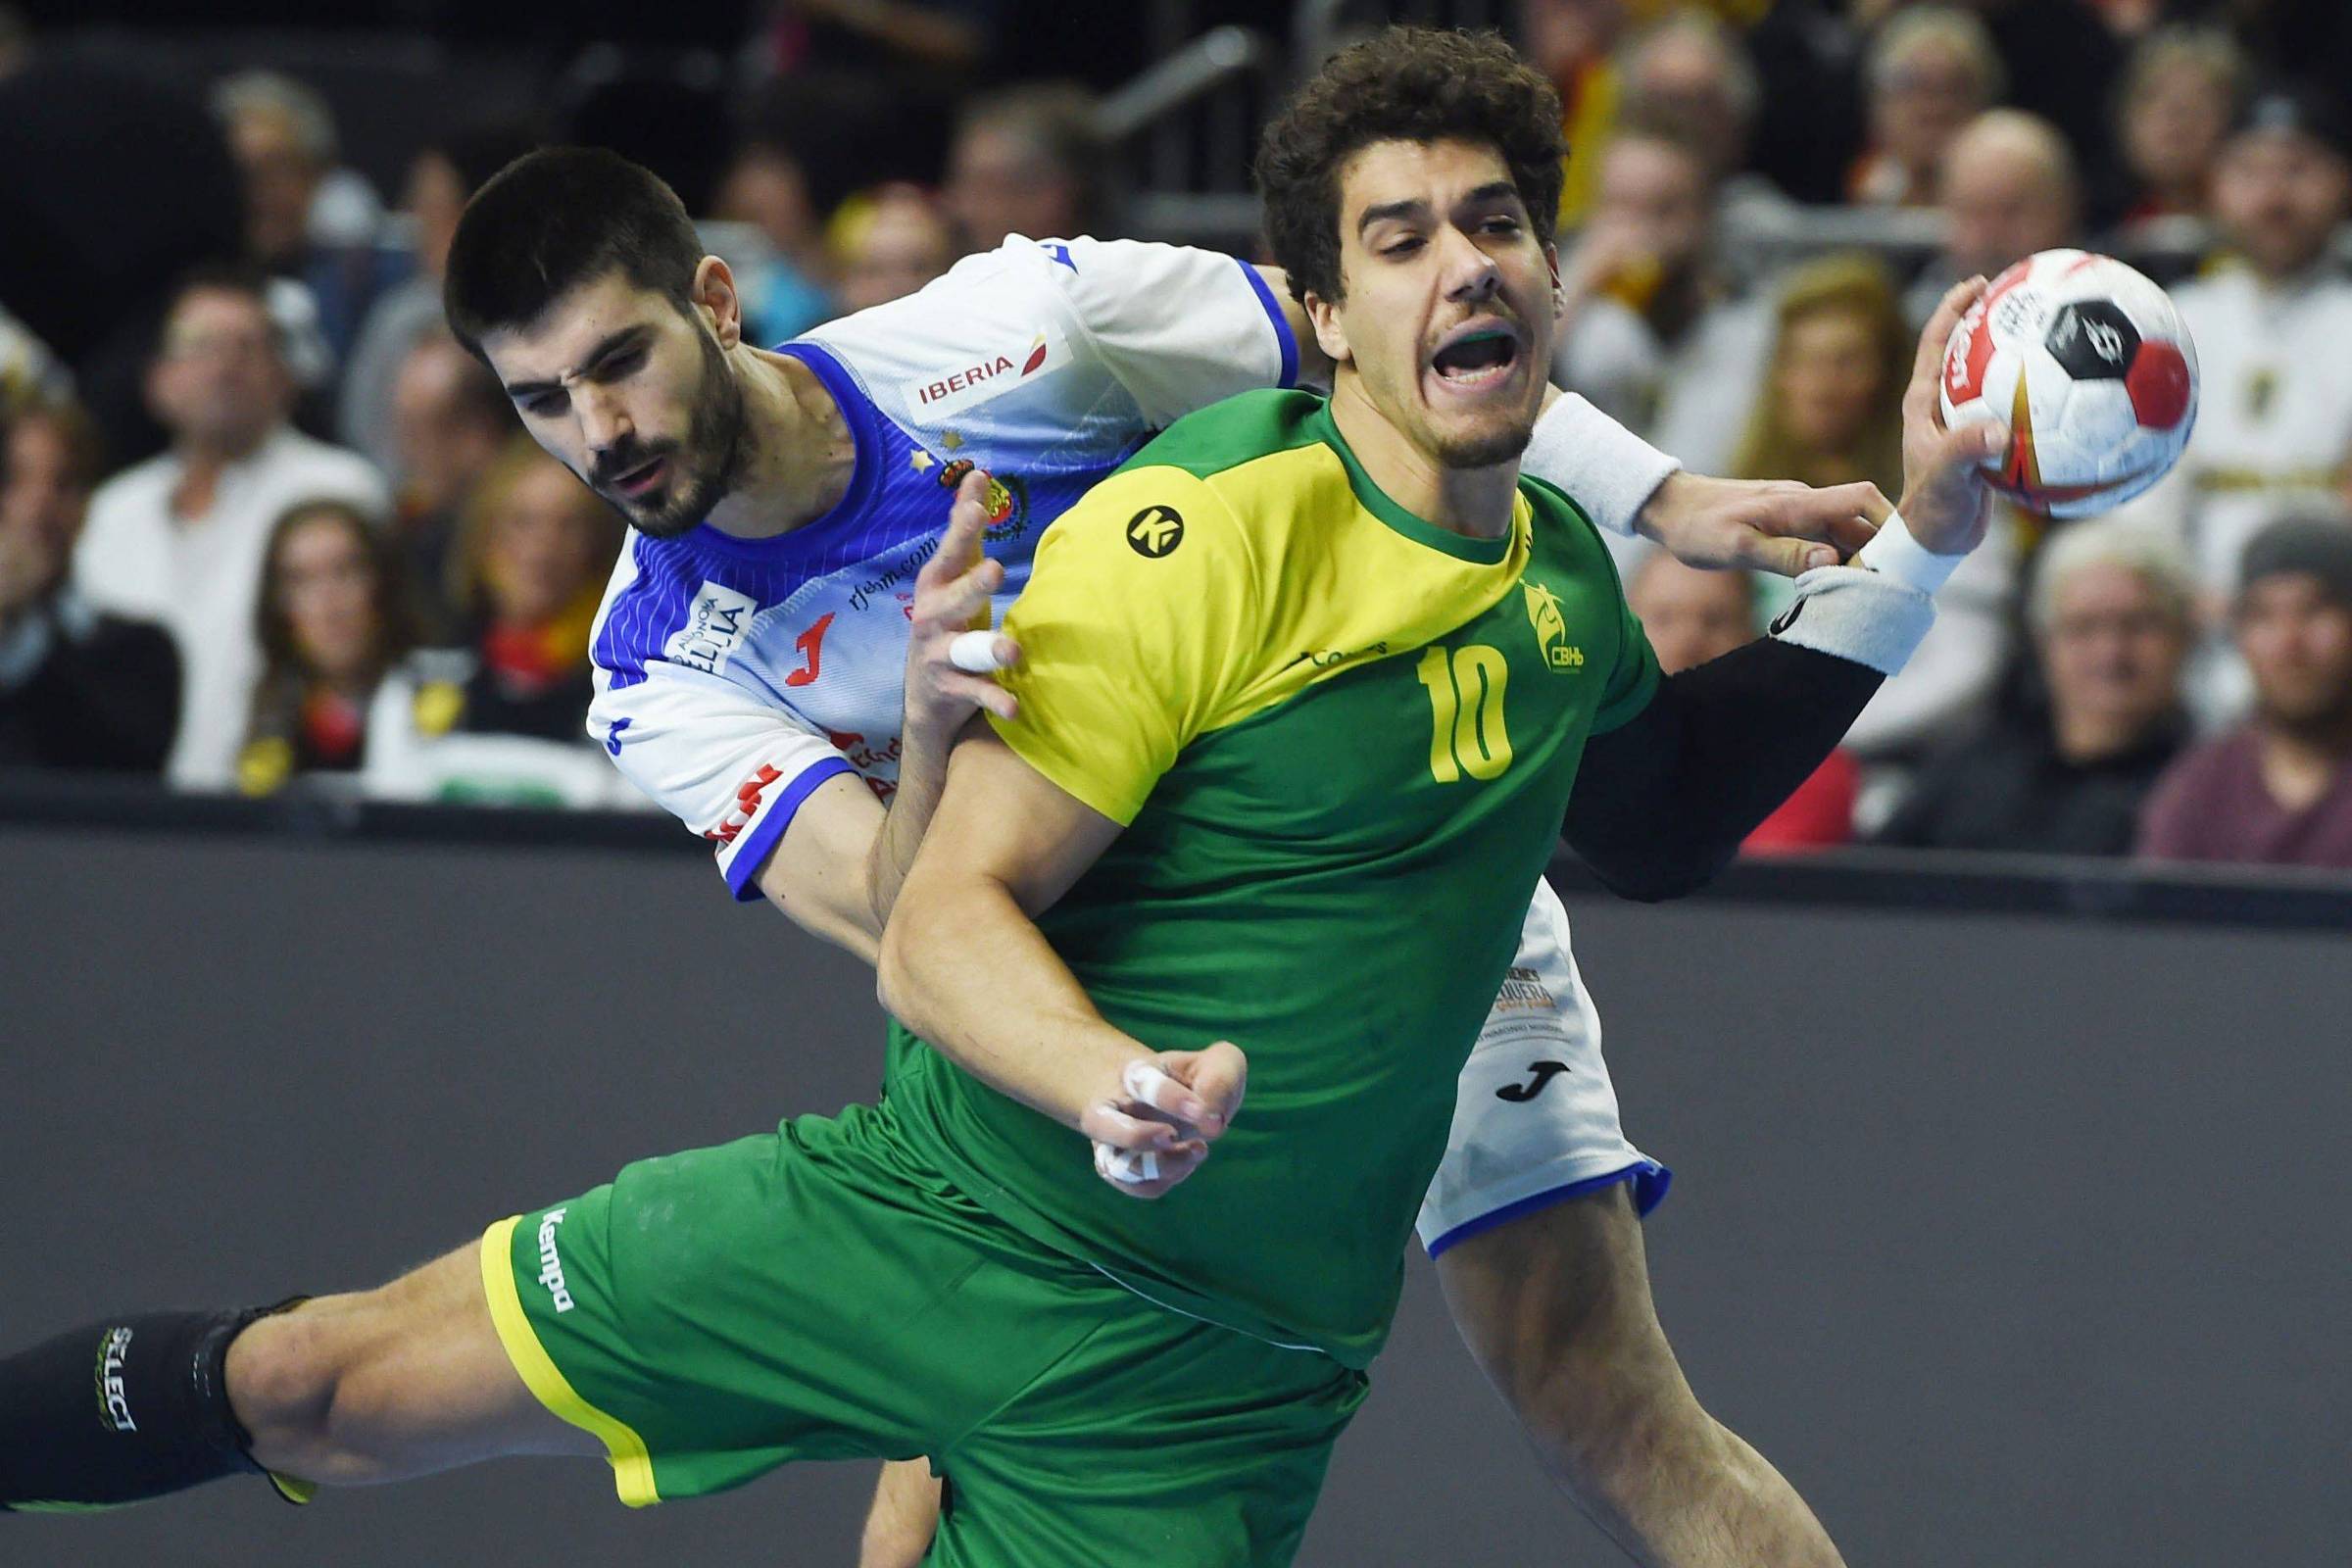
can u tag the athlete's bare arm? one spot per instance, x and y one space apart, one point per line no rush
836 870
1775 526
964 966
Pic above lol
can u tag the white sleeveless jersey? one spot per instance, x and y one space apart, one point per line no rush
734 676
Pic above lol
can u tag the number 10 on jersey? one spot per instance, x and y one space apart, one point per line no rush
1465 699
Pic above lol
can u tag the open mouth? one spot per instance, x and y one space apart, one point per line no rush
1476 356
643 479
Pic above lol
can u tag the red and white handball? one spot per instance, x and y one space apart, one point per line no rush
2091 368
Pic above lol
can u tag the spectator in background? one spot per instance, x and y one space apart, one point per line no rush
1826 409
113 185
888 243
2275 413
451 421
444 175
767 188
1574 43
77 689
1830 408
305 220
2009 191
332 620
180 538
2180 95
1649 328
2111 617
28 371
1028 161
1691 616
1931 70
2277 790
541 545
1690 71
503 720
2062 64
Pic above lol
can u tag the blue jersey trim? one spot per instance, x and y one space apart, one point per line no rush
865 433
1282 323
1650 1181
770 827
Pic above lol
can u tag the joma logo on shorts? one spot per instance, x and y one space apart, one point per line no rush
110 1380
551 1267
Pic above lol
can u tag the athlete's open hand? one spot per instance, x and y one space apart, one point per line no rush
1775 526
1945 503
1156 1131
949 650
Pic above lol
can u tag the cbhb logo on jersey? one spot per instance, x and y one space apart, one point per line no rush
1551 628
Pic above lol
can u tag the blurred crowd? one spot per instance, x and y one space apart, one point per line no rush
264 525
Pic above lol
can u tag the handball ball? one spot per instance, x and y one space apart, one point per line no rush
2089 366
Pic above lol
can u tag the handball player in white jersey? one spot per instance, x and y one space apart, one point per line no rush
788 646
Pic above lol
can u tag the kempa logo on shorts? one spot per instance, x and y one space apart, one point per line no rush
715 626
111 1354
551 1267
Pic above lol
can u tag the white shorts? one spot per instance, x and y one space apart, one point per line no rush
1535 1117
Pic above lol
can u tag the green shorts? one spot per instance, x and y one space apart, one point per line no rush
821 1294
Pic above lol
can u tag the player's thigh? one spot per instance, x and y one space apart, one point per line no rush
1535 1116
818 1292
1160 1439
407 1378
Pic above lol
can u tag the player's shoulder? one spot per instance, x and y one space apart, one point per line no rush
1228 434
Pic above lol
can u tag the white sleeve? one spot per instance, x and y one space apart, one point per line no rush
731 769
1179 328
1604 467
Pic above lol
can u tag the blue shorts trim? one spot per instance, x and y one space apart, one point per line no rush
1649 1180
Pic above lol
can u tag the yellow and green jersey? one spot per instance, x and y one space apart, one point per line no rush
1342 740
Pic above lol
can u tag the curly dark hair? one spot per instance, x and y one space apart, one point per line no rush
1403 83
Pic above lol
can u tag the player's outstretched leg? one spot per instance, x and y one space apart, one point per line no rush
1555 1306
377 1386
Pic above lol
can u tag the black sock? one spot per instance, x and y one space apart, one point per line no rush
122 1411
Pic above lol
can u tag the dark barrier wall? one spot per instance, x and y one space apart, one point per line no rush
2013 1240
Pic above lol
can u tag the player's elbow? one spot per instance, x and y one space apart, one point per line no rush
894 984
1660 876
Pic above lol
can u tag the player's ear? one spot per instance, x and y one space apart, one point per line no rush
716 300
1324 316
1551 260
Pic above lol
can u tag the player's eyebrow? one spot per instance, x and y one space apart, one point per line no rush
1414 207
606 347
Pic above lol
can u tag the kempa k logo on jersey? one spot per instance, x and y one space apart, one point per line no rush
716 624
951 389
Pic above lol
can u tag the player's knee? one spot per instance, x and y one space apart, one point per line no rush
294 1383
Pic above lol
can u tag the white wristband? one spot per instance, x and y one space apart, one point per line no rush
1604 467
1892 553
